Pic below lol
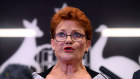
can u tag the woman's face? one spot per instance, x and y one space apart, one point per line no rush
69 50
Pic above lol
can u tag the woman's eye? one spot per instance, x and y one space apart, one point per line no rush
61 34
77 34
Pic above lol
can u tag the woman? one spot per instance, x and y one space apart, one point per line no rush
71 35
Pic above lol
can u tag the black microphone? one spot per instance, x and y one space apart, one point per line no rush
16 71
109 73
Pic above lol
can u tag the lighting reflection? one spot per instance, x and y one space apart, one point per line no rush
17 33
109 32
121 32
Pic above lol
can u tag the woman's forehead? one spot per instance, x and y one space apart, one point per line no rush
71 31
69 25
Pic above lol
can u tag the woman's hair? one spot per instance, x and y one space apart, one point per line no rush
71 13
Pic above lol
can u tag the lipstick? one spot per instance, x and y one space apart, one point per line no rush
68 49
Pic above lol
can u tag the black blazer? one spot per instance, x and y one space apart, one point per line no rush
91 72
136 75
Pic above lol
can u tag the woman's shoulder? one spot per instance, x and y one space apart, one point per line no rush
95 75
41 75
91 72
46 72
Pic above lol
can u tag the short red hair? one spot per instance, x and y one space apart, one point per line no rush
71 13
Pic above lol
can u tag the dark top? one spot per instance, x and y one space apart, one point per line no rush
92 73
136 75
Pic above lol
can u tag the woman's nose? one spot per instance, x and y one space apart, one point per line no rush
69 40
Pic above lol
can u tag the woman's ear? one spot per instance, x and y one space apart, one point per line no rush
52 44
88 44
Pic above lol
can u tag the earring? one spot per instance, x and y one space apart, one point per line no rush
86 51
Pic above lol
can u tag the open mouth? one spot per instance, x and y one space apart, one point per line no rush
68 49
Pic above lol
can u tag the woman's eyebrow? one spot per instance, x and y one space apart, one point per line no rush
77 31
62 29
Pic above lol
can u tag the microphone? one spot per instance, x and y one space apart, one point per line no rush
36 76
16 71
109 73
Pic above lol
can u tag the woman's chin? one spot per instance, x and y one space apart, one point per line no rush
67 58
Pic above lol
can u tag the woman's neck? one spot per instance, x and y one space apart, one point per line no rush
68 71
68 68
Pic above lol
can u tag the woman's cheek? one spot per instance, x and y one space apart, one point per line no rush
80 46
59 45
62 43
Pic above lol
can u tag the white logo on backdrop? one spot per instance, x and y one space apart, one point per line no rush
45 57
63 6
120 65
27 50
139 59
